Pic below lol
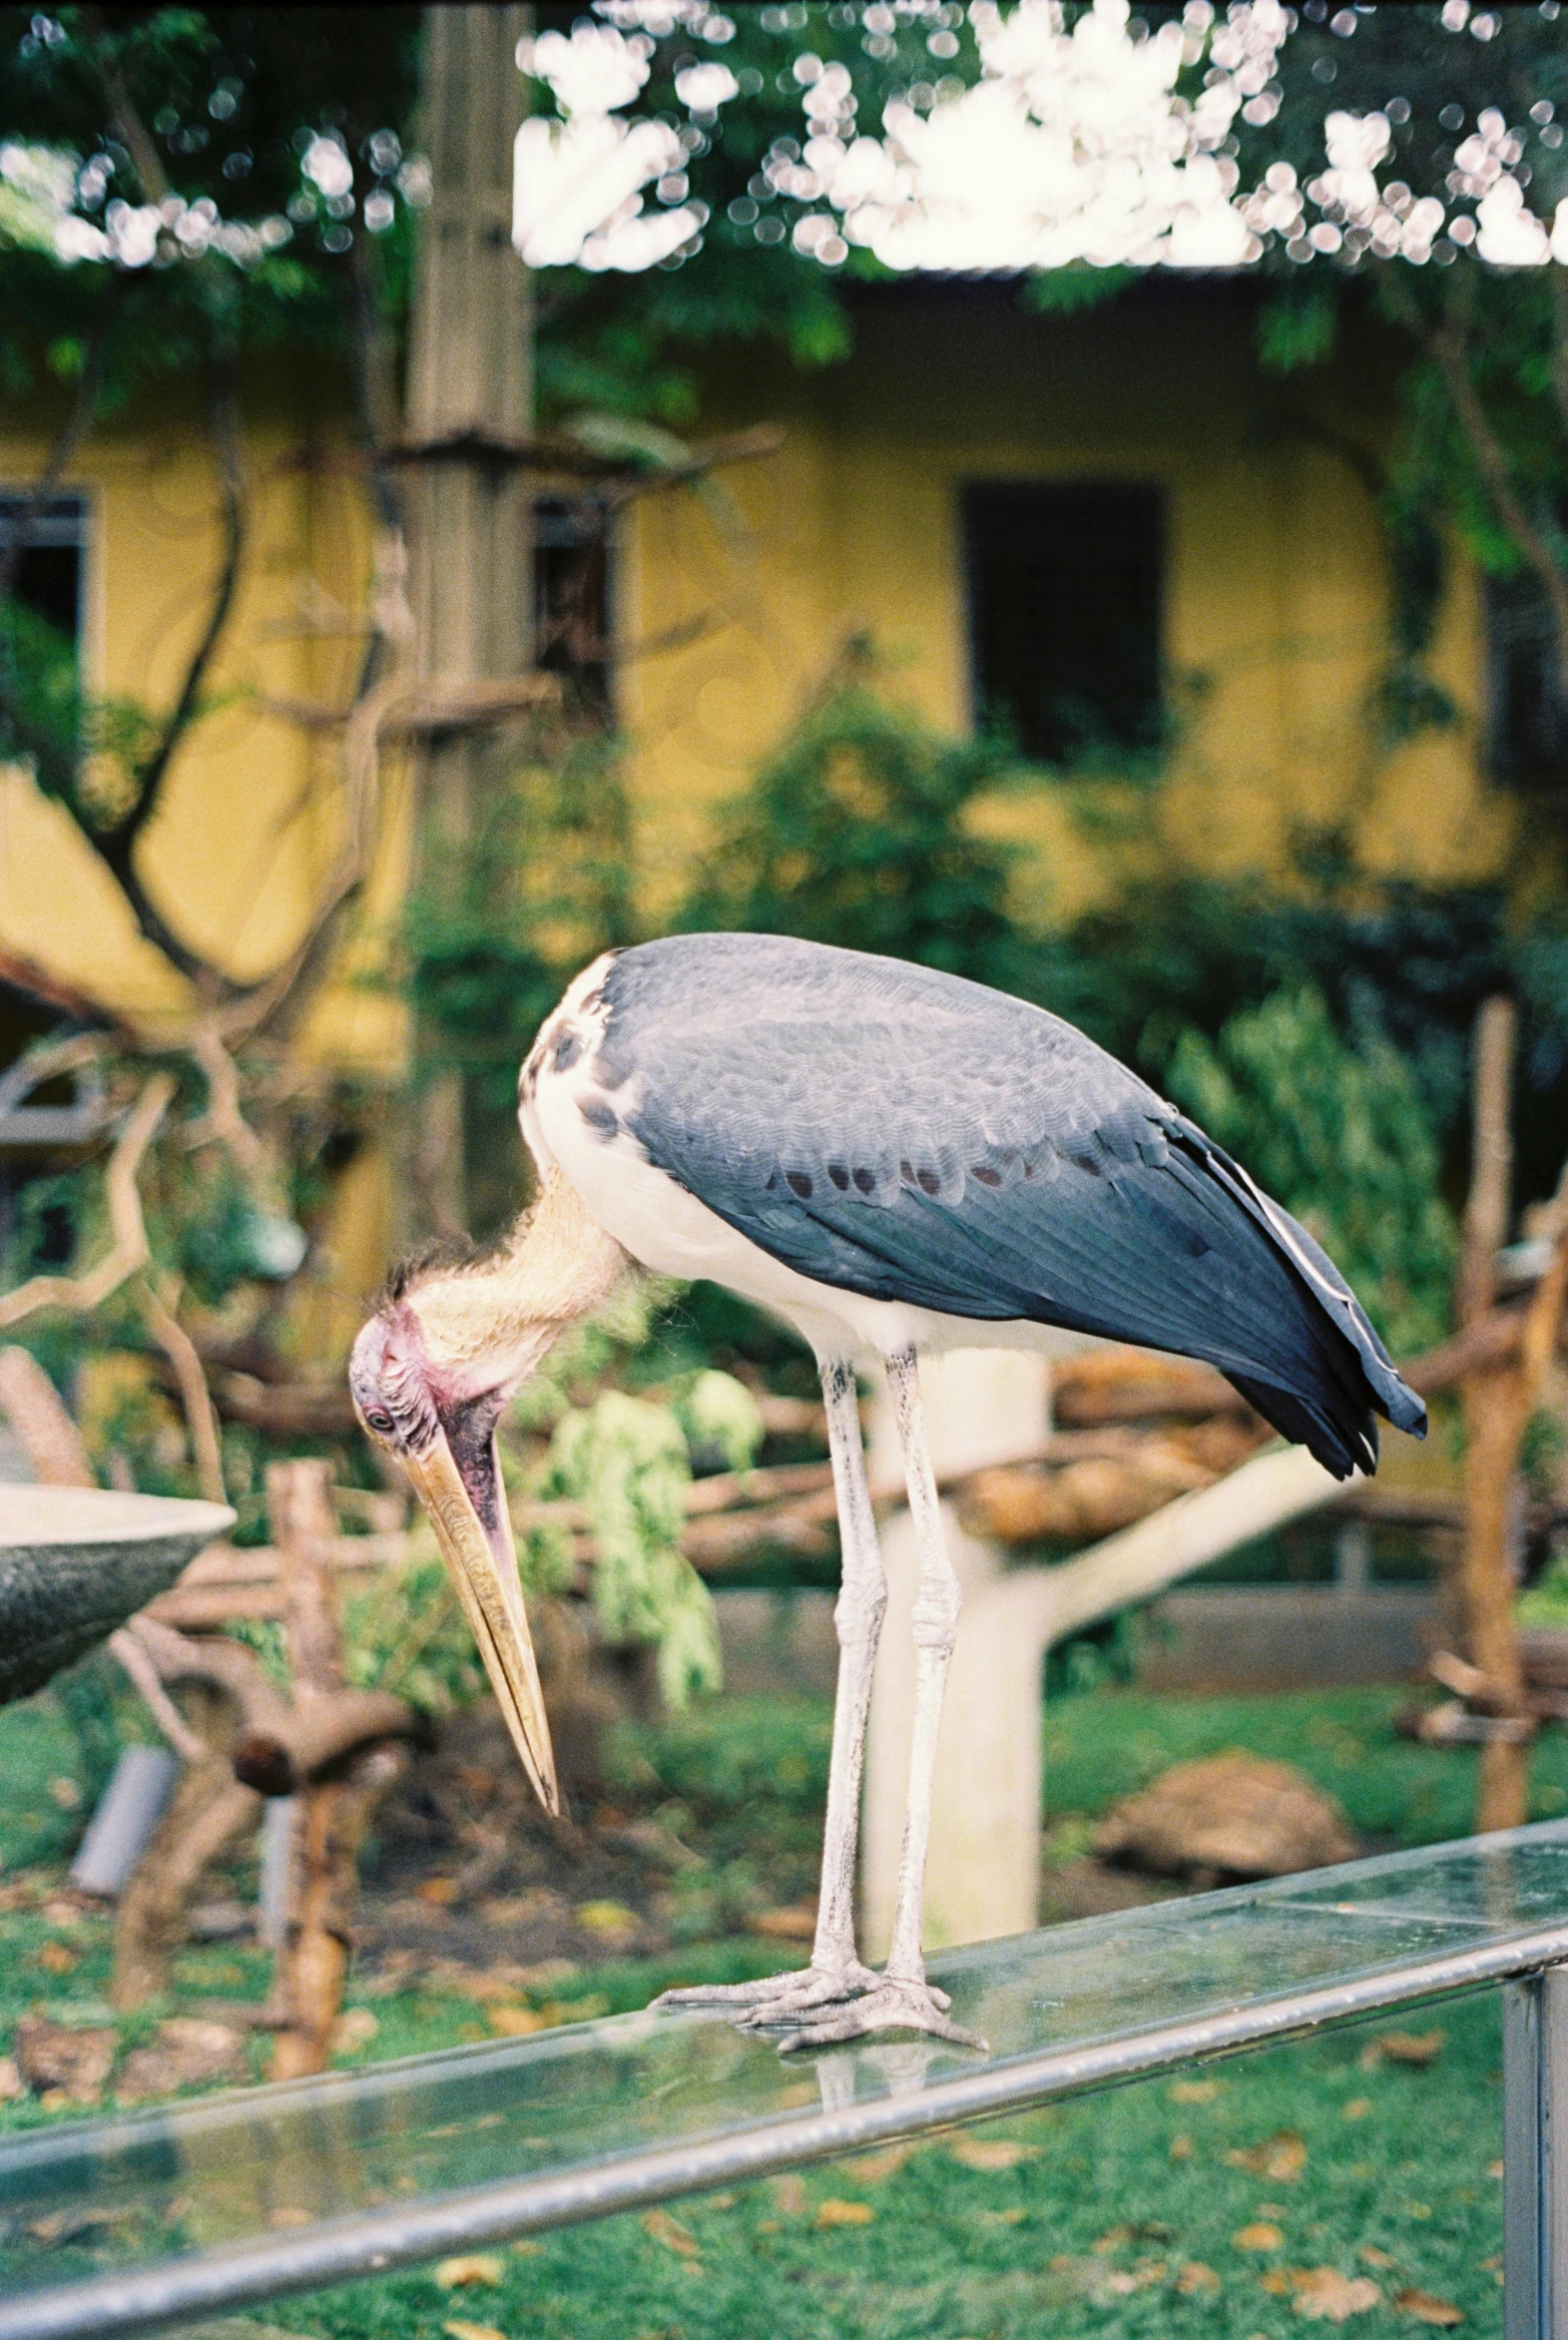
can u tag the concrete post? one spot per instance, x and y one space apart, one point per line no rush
983 1871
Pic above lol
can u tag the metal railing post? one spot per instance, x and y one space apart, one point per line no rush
1535 2157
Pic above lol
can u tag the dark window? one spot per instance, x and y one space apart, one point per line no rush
572 599
1527 712
1065 590
49 575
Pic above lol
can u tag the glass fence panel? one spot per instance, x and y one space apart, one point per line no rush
246 2195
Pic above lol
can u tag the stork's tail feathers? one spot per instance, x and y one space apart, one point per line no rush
1342 1377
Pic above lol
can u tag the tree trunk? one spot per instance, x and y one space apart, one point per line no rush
471 524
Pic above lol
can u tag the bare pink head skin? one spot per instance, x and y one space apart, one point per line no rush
429 1376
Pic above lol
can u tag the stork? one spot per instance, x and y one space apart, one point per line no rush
890 1159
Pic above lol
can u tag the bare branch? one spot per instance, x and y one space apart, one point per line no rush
379 707
177 1346
150 775
128 1253
1450 349
139 143
135 1662
224 1116
50 1438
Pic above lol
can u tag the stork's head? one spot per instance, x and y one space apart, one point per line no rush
430 1374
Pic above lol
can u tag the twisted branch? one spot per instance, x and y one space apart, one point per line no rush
128 1251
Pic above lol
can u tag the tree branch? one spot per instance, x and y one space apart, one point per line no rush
1449 347
139 143
78 422
177 1346
128 1251
150 775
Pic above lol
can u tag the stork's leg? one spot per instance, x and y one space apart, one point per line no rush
902 1998
835 1972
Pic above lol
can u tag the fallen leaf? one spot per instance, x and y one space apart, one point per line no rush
1012 2218
1371 2256
991 2154
1259 2236
672 2234
1355 2108
525 2250
612 1920
1417 2210
356 2028
721 2202
834 2212
1280 2157
1114 2238
1194 2091
437 1891
473 2267
460 2329
288 2214
790 2194
791 1925
12 2083
1195 2277
66 1794
1181 2148
1494 2169
1427 2308
1280 2281
874 2167
515 2022
1416 2049
1323 2295
56 1958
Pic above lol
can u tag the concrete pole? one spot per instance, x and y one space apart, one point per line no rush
470 368
983 1870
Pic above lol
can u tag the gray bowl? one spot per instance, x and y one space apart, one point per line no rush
75 1563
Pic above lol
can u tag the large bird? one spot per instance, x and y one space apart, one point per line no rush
890 1159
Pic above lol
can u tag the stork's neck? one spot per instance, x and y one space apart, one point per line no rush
487 1327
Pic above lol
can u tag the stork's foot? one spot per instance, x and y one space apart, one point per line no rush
888 2006
777 1998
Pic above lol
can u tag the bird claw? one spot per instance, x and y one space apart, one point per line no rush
889 2007
777 1996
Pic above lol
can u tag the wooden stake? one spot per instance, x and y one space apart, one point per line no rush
337 1807
1498 1402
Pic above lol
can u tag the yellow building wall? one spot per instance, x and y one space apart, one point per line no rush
1275 604
732 602
250 821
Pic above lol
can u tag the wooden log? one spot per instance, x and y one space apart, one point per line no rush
1134 1385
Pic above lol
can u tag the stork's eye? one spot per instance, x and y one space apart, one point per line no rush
381 1423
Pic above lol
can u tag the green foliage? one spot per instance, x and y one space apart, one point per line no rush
718 1420
230 99
494 931
406 1634
1339 1135
1298 327
627 1460
854 831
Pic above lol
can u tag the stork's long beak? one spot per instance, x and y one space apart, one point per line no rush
481 1559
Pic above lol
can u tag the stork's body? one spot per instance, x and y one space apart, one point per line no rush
891 1159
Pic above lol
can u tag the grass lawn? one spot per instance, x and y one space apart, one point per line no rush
1210 2205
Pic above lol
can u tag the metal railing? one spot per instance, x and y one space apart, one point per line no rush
120 2224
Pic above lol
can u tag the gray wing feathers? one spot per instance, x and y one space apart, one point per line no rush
893 1131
